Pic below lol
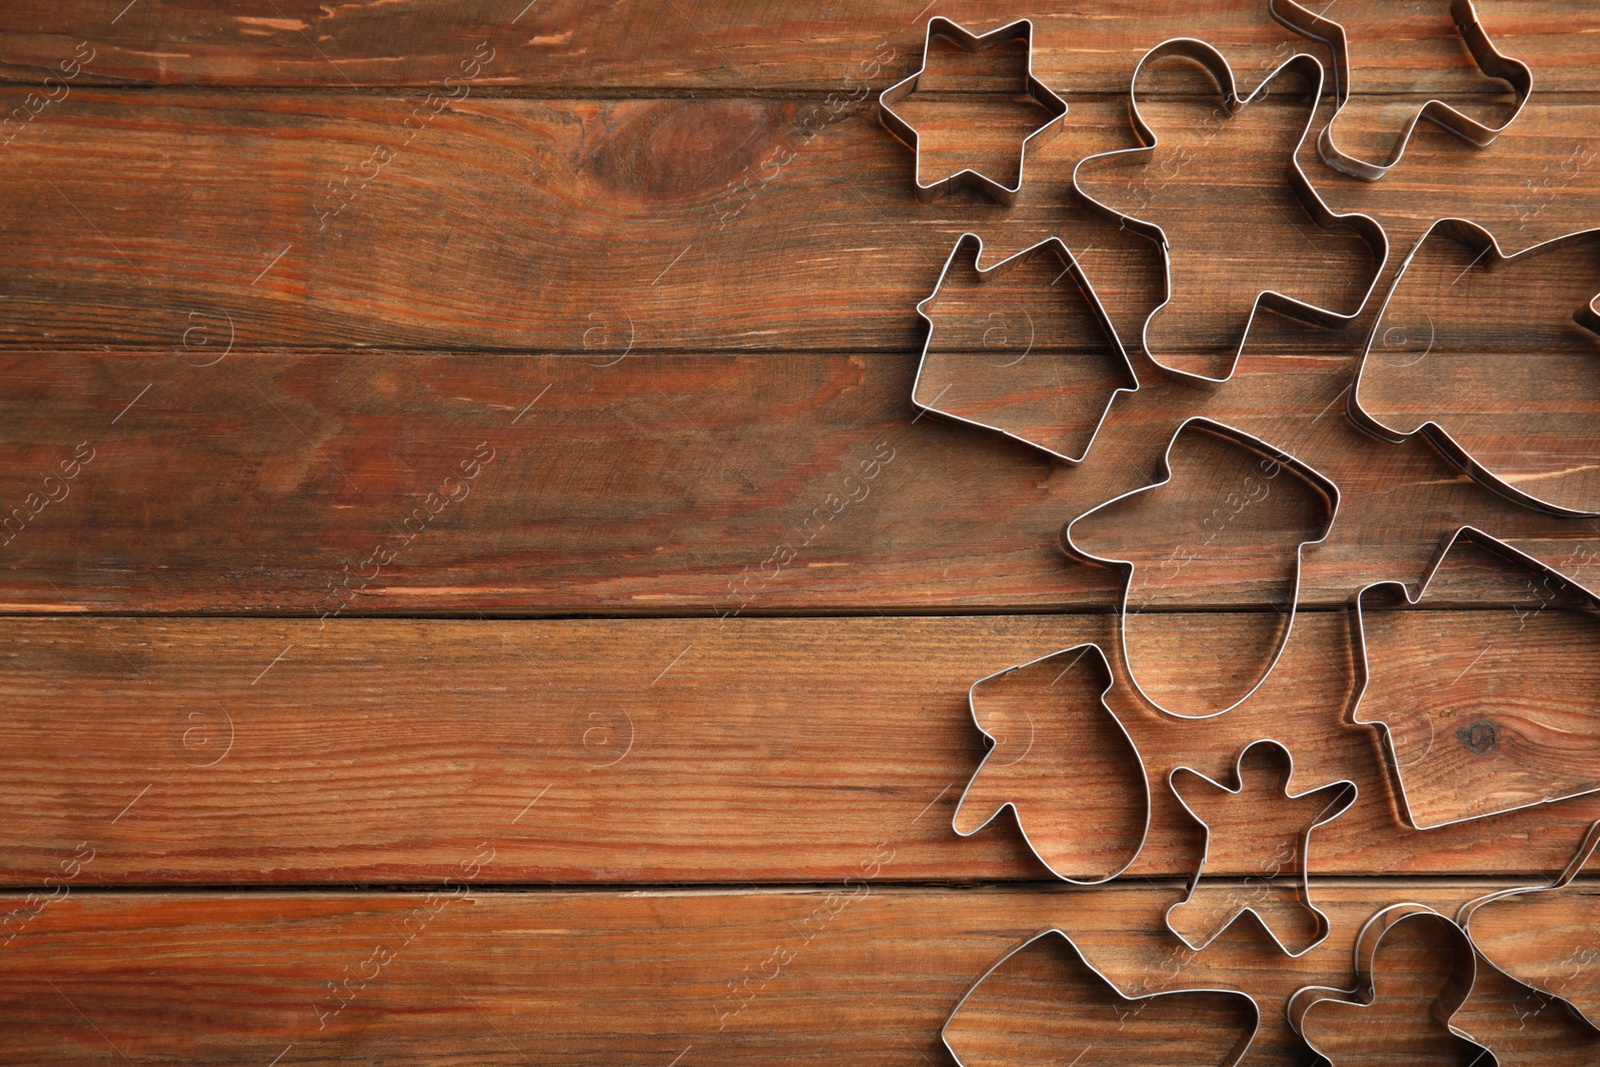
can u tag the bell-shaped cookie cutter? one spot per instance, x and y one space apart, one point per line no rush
1573 869
1363 667
1144 778
1049 244
1457 990
1490 60
1475 237
1234 1055
1365 226
1310 474
1342 794
1042 94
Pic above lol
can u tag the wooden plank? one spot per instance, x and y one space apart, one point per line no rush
1538 181
469 976
583 226
589 226
571 44
237 751
289 484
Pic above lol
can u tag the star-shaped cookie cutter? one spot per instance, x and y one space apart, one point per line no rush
1042 94
1476 238
1573 869
1341 795
1365 226
1230 1059
1490 60
1049 244
1270 453
1458 988
1553 580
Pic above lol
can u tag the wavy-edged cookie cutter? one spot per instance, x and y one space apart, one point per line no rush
1474 238
1591 956
1490 60
1554 581
1340 796
996 751
1070 262
1230 1059
1270 453
1364 226
1042 94
1457 989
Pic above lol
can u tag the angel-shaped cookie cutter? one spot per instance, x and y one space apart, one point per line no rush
1271 454
1366 227
1342 795
1049 244
1554 580
1582 959
1042 94
1490 60
1477 238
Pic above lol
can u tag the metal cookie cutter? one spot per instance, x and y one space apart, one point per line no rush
1001 756
1363 225
1490 60
1488 789
1178 1038
1042 94
1457 988
1335 798
1580 959
1052 245
1490 257
1271 456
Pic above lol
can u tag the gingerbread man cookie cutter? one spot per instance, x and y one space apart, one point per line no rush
1340 796
1366 227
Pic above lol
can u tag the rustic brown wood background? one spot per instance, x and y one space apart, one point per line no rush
585 282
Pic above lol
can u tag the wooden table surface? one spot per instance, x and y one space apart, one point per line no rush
439 382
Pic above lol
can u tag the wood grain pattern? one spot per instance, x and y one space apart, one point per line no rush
633 46
341 316
657 485
656 751
564 225
636 978
587 226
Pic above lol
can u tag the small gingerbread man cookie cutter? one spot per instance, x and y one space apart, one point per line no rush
1342 794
